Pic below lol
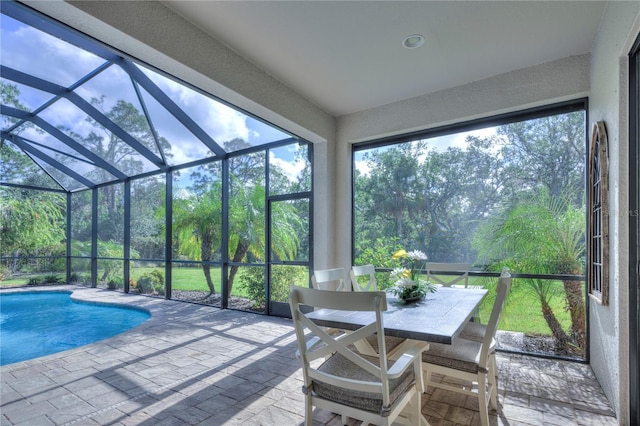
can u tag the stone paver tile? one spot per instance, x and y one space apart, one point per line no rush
555 419
291 404
65 400
435 408
107 400
8 395
140 419
592 419
192 415
21 411
257 403
71 413
449 397
29 386
243 391
37 421
274 416
45 395
459 415
436 421
216 404
523 414
73 376
92 392
229 416
256 374
107 417
555 407
516 398
597 407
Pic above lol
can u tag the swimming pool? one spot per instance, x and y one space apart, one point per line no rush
34 324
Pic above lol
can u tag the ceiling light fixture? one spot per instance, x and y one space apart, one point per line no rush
413 41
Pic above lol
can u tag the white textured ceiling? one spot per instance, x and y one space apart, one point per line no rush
347 56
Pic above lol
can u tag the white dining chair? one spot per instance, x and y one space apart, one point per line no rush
370 389
472 363
475 330
371 284
459 273
367 271
330 279
458 277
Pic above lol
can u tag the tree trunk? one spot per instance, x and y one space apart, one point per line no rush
14 262
241 250
560 337
205 249
575 304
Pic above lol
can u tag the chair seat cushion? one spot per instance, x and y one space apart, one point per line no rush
390 342
473 331
340 366
462 355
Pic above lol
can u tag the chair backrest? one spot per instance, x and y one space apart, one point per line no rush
330 279
361 271
314 343
502 290
461 276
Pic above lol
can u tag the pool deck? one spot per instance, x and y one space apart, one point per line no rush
192 364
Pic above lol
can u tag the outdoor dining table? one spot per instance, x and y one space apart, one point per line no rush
439 317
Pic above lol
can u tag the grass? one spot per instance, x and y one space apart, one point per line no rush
523 311
192 279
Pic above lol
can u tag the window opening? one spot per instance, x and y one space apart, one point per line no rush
599 211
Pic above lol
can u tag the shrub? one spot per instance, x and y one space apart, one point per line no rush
252 281
33 281
151 282
52 279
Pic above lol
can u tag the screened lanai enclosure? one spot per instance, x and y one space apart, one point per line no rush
117 175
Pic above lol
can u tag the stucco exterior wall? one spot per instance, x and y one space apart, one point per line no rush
609 345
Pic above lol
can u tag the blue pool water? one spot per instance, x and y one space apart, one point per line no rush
41 323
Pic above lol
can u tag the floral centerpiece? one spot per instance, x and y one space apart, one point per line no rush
408 286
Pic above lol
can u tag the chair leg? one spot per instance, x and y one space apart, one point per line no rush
308 411
482 399
493 382
416 412
426 374
345 420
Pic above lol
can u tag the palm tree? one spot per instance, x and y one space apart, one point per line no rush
247 221
543 234
198 227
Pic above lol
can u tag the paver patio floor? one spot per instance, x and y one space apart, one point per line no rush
197 365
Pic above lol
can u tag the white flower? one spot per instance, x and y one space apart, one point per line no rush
398 273
405 282
417 255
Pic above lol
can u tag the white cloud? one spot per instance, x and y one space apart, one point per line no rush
292 169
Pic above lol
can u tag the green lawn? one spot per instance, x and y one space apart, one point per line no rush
191 278
522 311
